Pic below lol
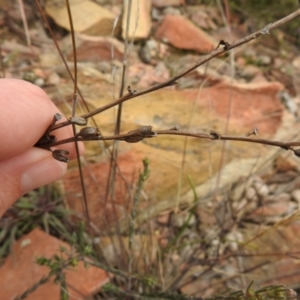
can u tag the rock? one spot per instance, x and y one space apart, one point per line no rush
178 220
264 60
21 266
140 20
202 17
171 11
296 195
235 238
283 164
144 76
259 78
164 3
249 71
183 34
53 79
262 189
152 51
100 21
239 189
148 51
272 211
296 62
98 49
39 82
205 216
165 109
251 194
163 218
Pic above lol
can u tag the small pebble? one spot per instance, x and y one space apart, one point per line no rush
262 189
53 79
264 60
178 220
251 194
39 82
234 238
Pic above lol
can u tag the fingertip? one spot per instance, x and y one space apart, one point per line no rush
41 173
25 172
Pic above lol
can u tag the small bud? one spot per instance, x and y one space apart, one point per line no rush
78 121
88 132
60 155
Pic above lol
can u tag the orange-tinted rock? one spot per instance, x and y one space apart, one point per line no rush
183 34
100 21
99 50
20 272
247 105
250 105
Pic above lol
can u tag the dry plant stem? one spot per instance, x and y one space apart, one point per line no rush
212 136
84 203
110 186
173 80
22 12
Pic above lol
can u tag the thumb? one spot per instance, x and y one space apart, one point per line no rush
22 173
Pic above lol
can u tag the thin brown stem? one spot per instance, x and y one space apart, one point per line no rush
212 136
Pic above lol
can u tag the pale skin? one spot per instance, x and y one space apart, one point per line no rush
26 113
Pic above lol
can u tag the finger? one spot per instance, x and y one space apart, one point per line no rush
22 173
26 113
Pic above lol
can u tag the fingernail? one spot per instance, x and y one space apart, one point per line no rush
41 173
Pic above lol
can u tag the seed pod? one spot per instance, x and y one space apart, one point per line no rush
57 116
78 121
139 134
60 155
88 132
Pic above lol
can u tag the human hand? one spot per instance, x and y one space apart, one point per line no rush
26 113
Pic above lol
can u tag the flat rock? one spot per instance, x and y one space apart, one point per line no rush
88 17
140 20
183 34
99 49
20 272
250 104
